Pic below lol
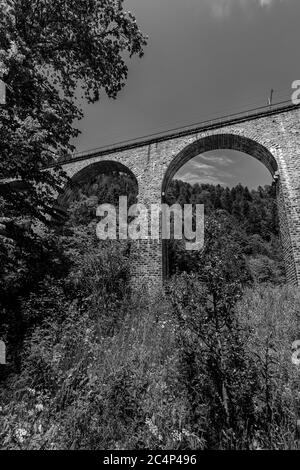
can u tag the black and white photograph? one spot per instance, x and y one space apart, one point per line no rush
149 229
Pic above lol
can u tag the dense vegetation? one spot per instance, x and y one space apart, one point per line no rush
93 364
204 365
51 53
252 221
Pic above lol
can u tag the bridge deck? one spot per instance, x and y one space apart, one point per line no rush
203 126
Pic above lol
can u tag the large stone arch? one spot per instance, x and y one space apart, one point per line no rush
220 142
255 149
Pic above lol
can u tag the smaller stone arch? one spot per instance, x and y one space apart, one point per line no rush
87 173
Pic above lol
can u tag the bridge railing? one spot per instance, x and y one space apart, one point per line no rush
181 131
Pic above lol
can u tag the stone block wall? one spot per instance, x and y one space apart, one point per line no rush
271 137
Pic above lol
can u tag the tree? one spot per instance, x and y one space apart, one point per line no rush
212 359
49 48
254 223
226 200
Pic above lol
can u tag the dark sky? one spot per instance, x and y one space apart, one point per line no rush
205 58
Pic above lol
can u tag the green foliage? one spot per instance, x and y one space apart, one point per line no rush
177 375
47 48
269 319
252 221
50 53
213 363
101 189
204 365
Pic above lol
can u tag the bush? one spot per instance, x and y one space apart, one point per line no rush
269 318
166 378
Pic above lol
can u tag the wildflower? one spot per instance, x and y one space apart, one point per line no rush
153 429
39 407
255 445
21 434
177 436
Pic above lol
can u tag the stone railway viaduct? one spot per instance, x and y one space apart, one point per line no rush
271 135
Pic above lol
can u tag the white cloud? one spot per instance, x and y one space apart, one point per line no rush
221 160
222 8
191 178
195 171
196 165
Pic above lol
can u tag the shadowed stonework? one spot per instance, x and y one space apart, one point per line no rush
272 137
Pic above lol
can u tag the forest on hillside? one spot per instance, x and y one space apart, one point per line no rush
252 220
91 362
204 365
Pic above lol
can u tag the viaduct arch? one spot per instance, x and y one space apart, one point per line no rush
87 173
217 142
271 136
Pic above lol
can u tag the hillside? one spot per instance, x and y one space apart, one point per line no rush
252 219
251 215
203 365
